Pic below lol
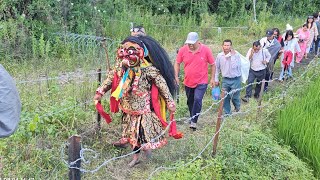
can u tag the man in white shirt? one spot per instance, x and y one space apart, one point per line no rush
259 58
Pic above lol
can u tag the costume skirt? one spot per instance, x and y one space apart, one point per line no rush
143 130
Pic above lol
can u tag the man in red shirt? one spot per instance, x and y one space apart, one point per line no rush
195 57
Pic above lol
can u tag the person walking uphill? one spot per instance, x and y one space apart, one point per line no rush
259 58
229 63
195 56
291 47
304 35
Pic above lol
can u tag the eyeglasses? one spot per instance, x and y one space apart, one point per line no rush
310 17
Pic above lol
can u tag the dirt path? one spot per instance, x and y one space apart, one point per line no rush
298 68
211 117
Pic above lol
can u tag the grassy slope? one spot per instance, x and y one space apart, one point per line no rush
246 148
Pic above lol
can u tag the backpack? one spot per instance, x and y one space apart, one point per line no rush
10 104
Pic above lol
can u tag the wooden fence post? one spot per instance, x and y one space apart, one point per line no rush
215 140
98 115
74 154
260 98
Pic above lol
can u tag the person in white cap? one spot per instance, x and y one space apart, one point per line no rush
288 28
196 57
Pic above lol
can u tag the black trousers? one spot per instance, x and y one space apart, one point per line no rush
258 76
316 46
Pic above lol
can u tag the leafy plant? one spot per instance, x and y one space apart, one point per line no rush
198 169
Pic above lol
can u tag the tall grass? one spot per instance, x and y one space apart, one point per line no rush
298 125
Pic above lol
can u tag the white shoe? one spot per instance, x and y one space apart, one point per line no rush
193 126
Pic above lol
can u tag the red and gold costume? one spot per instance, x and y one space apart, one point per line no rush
142 91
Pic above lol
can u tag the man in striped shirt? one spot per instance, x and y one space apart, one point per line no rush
228 63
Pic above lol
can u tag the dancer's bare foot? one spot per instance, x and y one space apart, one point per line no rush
122 143
148 153
134 161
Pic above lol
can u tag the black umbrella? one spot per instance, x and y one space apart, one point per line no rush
10 105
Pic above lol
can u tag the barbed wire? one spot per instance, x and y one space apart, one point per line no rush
214 103
107 161
87 39
76 38
70 165
67 75
84 150
283 94
229 93
224 118
226 94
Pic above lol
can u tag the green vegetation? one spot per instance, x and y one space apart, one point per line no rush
299 122
247 152
55 73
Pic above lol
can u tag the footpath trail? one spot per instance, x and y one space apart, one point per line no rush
193 143
298 68
211 117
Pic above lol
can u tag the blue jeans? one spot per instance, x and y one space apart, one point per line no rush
229 84
282 72
194 100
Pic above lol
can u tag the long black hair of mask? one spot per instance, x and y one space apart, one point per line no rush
160 58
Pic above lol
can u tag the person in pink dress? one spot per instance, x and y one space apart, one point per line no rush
303 35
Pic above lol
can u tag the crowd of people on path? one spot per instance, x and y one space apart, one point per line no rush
143 83
289 48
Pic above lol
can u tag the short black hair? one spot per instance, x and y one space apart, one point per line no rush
316 15
276 30
227 40
256 43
